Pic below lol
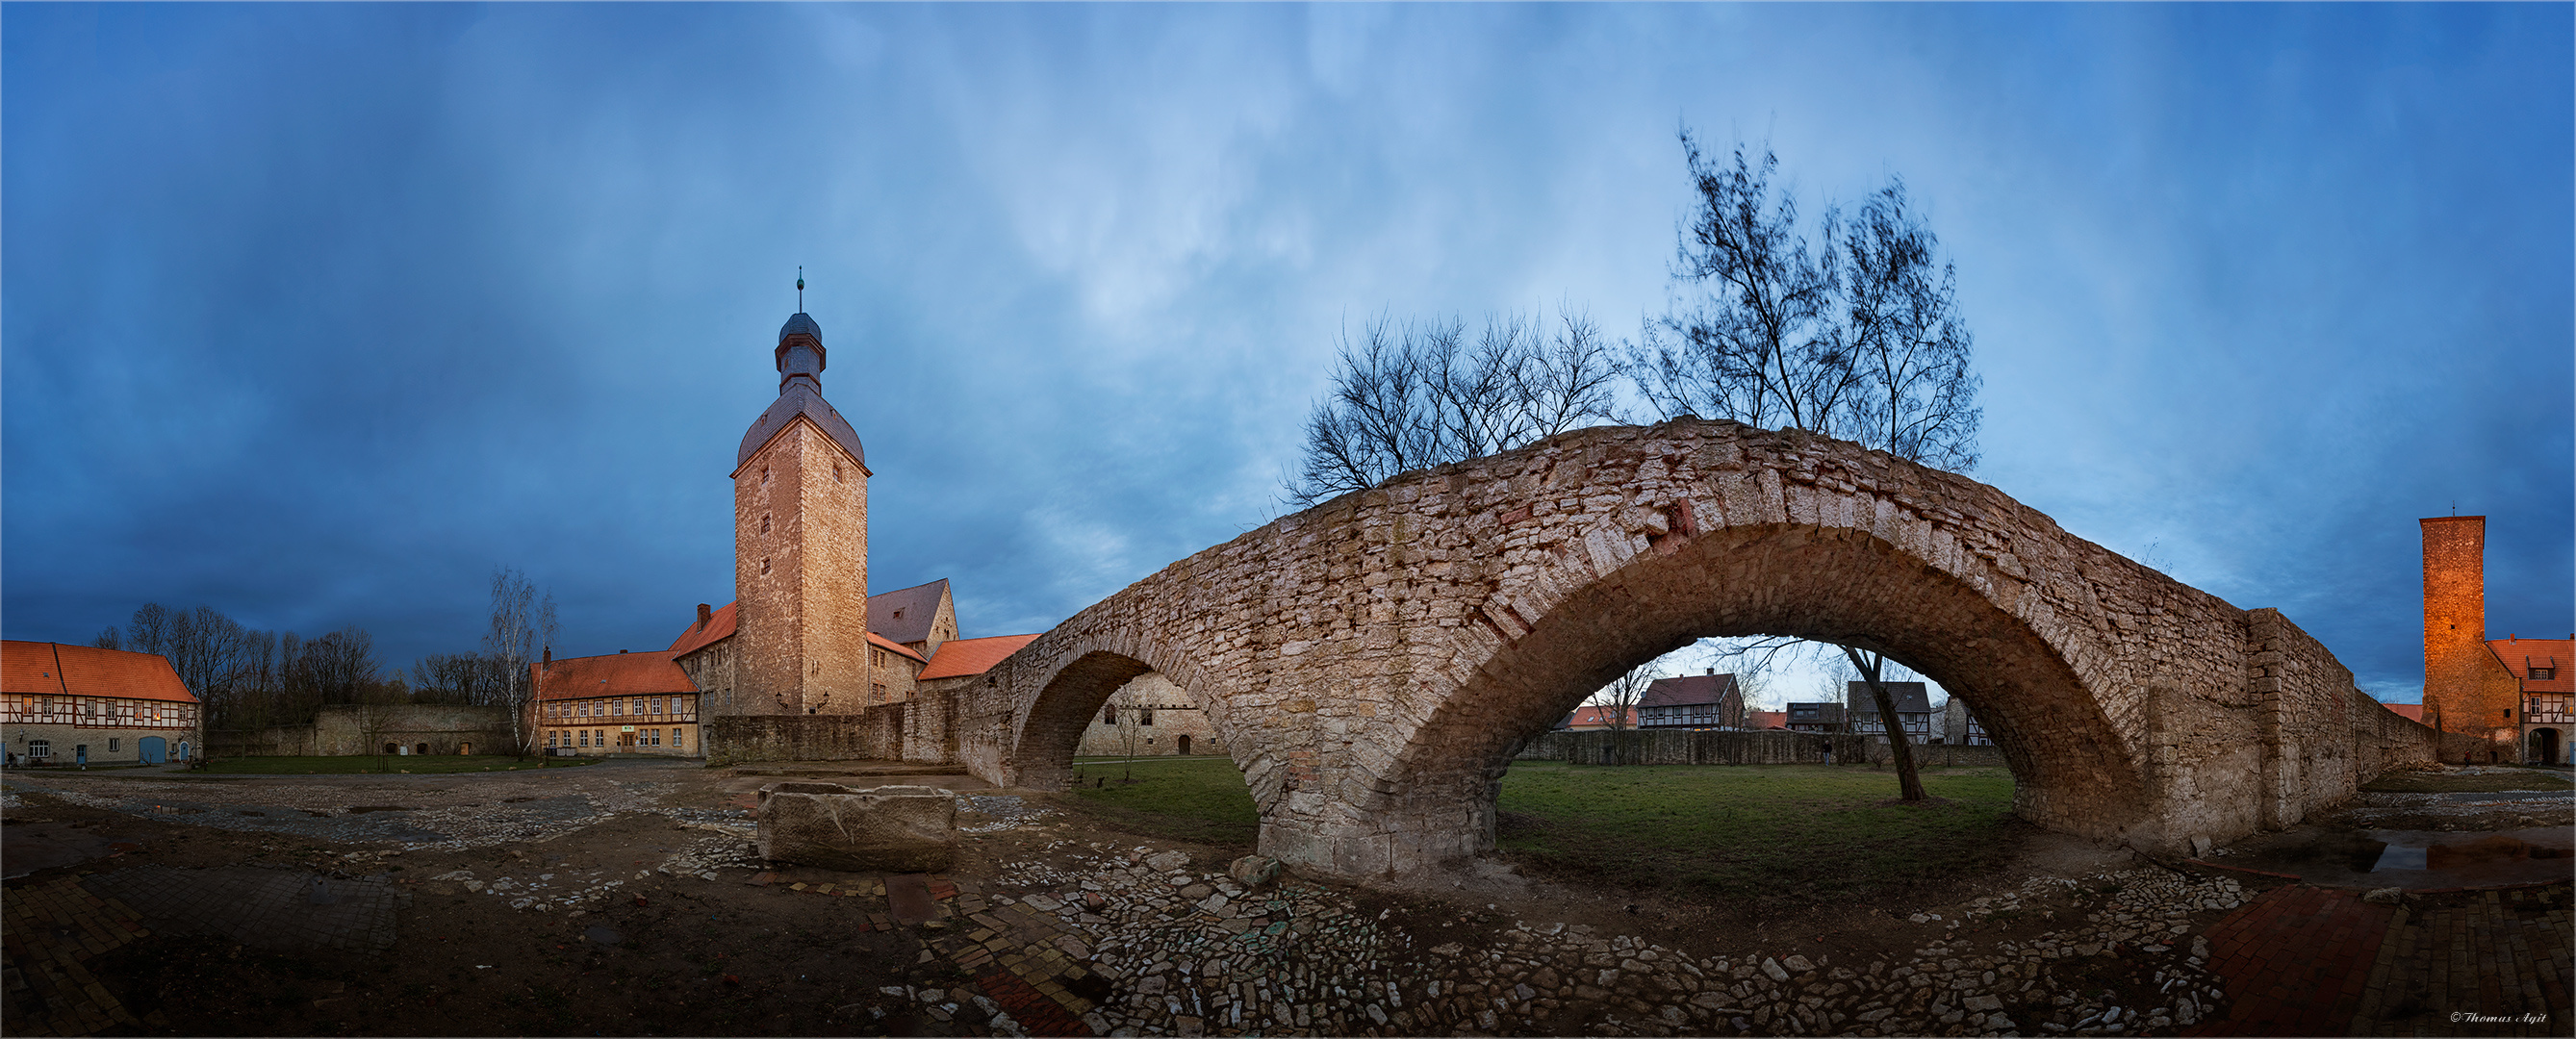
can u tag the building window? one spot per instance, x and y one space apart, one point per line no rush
1145 716
764 523
40 748
1109 715
111 744
2543 674
764 564
656 704
676 740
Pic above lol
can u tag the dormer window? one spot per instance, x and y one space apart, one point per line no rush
2543 674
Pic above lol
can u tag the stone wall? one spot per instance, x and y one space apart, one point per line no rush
1372 661
1650 747
349 729
801 577
1176 724
918 730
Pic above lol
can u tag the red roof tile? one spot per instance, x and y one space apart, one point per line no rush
1766 719
2520 656
697 636
2413 712
620 674
959 658
53 668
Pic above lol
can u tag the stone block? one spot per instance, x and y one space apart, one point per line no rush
898 829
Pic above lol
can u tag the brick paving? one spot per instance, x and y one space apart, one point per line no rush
51 932
2304 960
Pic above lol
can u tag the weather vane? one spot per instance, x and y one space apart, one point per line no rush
800 288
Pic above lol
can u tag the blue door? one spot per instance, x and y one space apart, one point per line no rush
80 754
153 748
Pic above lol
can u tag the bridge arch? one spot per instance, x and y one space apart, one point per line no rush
2073 769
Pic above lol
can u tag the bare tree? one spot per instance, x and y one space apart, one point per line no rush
1850 332
521 626
1617 703
1416 396
108 639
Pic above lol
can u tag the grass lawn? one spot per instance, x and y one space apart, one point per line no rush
416 764
1784 834
1198 798
2488 783
1753 833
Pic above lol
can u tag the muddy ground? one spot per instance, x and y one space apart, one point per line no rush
636 939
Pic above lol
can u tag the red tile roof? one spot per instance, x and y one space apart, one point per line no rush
1766 719
620 674
2522 655
2413 712
697 636
720 626
959 658
43 668
1589 716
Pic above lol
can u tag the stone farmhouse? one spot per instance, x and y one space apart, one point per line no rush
1702 701
1150 716
2513 695
81 705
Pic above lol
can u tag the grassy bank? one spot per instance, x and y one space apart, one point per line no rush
1753 833
390 764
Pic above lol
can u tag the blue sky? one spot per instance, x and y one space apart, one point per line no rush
317 313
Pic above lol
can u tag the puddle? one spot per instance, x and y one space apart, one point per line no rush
2415 859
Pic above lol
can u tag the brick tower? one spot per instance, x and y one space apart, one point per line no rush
2456 659
800 546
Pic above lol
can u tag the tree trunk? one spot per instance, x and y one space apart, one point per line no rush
1909 783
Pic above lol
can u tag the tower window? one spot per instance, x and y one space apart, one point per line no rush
764 524
764 564
764 476
836 472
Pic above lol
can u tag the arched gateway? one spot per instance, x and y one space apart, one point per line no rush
1368 662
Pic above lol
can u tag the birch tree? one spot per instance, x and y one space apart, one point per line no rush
522 625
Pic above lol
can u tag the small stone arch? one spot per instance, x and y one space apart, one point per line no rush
421 749
1067 704
393 748
2547 747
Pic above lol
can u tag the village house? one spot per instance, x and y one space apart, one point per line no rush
1149 716
1960 727
2511 693
1766 721
81 705
625 703
1816 716
1593 718
2539 666
1702 701
1913 709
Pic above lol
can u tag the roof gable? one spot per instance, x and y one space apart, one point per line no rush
51 668
2520 656
906 614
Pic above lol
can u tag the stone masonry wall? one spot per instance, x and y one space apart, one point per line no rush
1176 717
801 577
913 731
1371 662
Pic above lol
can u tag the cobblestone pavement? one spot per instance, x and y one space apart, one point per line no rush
51 932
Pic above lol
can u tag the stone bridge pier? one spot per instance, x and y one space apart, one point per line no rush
1370 662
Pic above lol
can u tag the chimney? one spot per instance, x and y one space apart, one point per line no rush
1711 672
621 651
705 615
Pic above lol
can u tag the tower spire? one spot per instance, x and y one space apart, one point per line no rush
800 288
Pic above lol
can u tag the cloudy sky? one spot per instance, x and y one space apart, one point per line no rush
318 313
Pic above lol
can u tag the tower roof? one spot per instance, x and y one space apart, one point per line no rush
800 392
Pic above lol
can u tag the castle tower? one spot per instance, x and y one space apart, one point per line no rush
2455 625
800 546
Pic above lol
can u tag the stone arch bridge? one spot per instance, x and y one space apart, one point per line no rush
1371 661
